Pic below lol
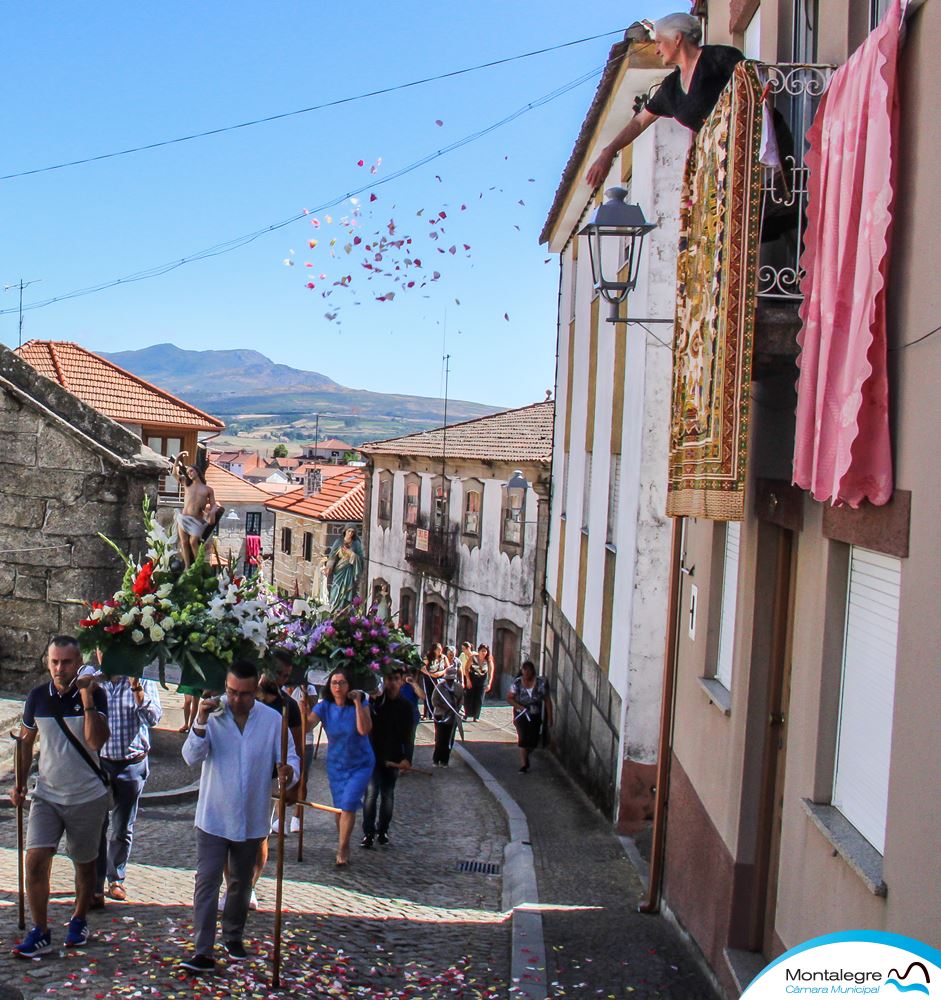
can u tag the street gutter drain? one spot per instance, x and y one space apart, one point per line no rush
478 867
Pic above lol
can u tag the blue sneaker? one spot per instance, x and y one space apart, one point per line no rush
77 934
36 943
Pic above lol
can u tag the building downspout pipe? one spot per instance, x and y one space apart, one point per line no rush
667 707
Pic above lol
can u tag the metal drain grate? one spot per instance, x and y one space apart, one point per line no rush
478 867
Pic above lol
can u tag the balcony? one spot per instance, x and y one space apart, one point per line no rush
431 551
794 90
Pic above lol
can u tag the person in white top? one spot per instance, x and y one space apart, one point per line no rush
239 747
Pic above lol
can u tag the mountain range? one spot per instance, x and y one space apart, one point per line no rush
262 401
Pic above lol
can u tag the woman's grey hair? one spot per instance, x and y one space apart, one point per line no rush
680 24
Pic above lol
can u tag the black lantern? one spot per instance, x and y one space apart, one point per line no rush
616 220
516 489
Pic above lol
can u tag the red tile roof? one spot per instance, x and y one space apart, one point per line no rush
521 435
111 390
230 488
341 498
333 444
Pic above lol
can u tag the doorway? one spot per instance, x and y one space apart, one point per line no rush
506 657
435 624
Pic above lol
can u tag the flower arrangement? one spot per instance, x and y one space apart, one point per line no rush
363 642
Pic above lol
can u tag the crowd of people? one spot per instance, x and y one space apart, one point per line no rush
95 734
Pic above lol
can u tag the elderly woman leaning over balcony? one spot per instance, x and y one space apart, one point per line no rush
688 94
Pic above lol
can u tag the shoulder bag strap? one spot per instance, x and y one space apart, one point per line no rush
83 753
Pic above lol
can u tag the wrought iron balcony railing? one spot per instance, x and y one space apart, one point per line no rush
794 90
431 550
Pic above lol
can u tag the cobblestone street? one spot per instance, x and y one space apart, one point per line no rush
402 921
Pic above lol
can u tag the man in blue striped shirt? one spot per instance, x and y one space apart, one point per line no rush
133 707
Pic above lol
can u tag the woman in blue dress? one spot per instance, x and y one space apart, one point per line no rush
350 759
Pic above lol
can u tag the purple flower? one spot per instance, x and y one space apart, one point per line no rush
349 652
373 633
374 650
387 660
374 665
330 630
358 636
357 601
355 620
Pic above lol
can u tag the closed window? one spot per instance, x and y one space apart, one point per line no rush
512 528
472 513
729 602
253 523
385 499
867 693
440 500
286 540
877 9
407 609
308 546
614 497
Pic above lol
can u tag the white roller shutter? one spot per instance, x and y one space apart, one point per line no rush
864 735
733 532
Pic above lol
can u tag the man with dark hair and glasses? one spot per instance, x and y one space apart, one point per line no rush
238 744
70 713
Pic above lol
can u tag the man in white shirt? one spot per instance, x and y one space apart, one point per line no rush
239 748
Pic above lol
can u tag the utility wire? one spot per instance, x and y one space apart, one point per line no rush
240 241
304 111
917 340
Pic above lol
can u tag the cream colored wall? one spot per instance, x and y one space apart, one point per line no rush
912 861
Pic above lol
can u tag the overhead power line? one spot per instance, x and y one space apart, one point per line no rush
304 111
239 241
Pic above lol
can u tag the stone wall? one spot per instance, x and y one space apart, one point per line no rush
66 473
587 712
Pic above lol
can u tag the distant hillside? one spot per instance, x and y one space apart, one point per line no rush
263 401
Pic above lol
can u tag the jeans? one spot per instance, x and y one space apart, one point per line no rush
380 792
127 785
211 855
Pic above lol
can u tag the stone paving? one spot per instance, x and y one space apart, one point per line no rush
402 921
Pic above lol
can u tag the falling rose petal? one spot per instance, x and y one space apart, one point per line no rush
466 246
521 202
354 201
436 276
463 208
442 215
357 240
308 264
360 163
506 316
328 219
439 122
323 277
438 178
312 243
310 284
457 302
333 242
315 222
287 262
348 247
417 262
373 197
452 250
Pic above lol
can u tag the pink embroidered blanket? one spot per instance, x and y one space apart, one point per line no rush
842 451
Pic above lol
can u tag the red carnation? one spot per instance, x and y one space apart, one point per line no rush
114 629
87 622
143 584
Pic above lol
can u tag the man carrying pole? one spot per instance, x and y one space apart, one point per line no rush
20 781
238 745
71 794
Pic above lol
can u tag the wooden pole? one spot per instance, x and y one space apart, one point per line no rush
20 783
315 805
282 792
301 783
317 747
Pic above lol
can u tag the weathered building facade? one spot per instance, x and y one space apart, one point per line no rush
66 473
458 563
608 560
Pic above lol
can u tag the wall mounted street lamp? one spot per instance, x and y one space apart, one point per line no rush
616 220
232 516
516 488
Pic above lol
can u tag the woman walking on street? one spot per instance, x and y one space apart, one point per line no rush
350 758
446 701
532 710
479 670
433 670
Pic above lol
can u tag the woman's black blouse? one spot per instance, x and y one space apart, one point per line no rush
713 71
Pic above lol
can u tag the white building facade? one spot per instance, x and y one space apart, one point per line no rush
609 541
458 562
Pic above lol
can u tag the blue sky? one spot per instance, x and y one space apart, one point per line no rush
85 78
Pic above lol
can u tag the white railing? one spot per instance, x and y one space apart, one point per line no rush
794 90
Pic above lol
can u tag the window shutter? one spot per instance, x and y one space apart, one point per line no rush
729 601
864 735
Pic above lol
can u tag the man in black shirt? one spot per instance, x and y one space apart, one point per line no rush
393 742
688 94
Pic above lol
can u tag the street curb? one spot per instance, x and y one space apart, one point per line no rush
185 794
520 891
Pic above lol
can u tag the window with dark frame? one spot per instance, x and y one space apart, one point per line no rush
384 511
472 513
253 523
308 546
286 540
412 501
440 507
407 609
